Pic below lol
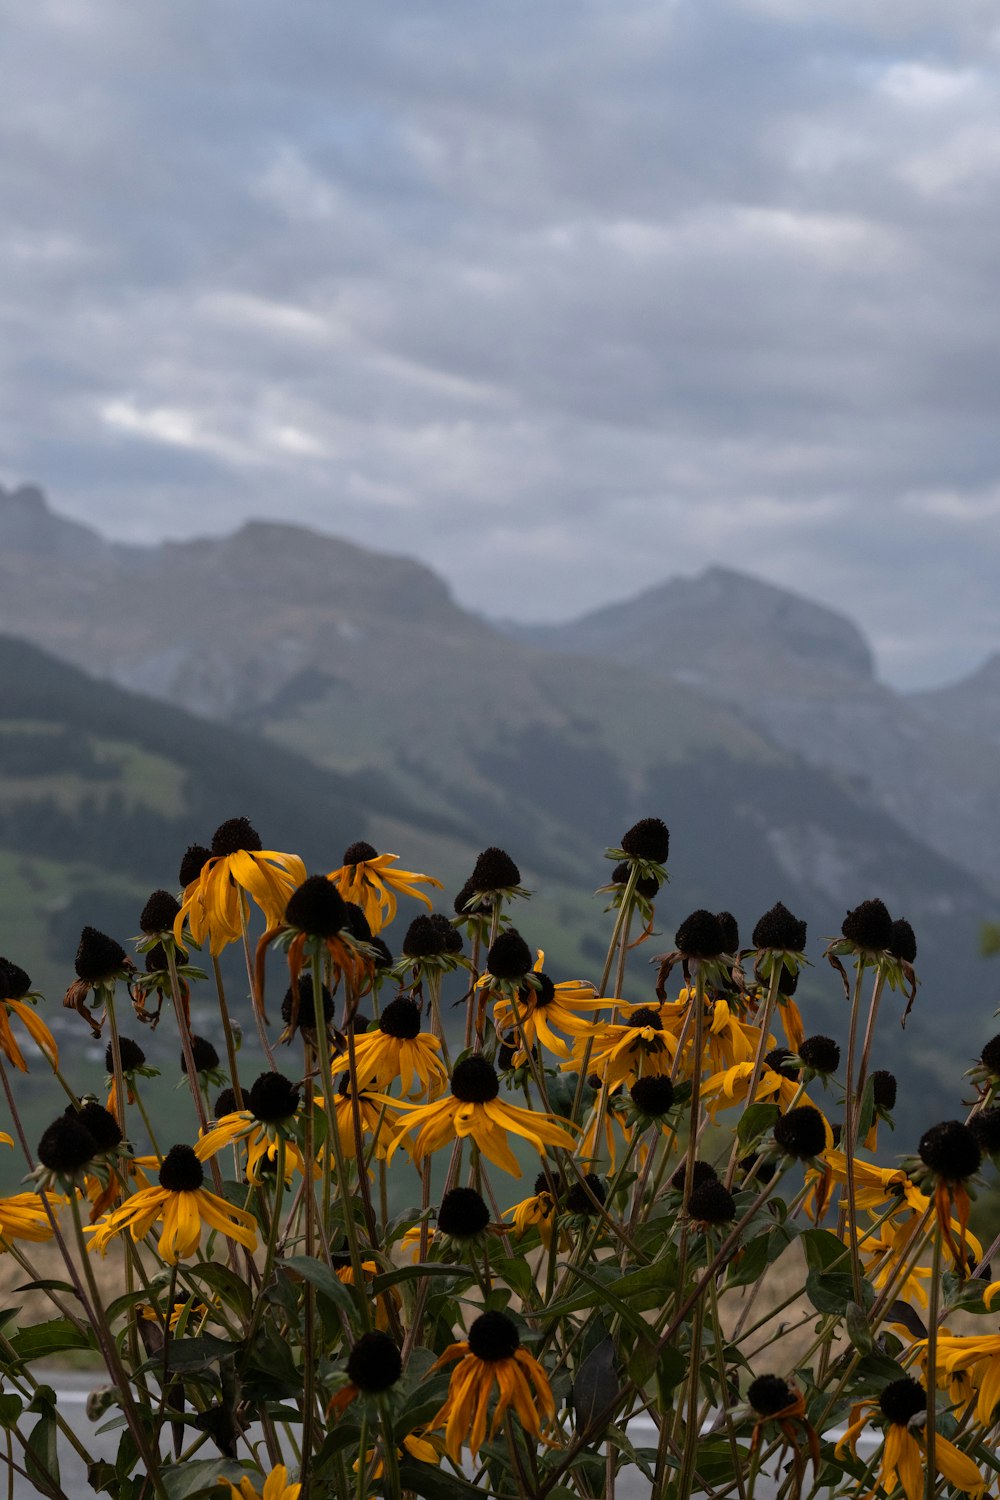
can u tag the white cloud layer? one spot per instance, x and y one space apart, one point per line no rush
562 299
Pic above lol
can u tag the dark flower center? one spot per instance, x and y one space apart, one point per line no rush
307 1005
985 1126
648 839
374 1364
800 1133
700 935
868 926
157 962
466 898
493 1337
494 871
820 1053
14 982
654 1095
951 1150
235 835
884 1089
903 943
777 1061
196 857
474 1081
646 886
423 939
67 1145
712 1203
451 938
181 1171
462 1213
317 908
703 1172
159 912
990 1057
543 992
542 1184
205 1056
98 957
384 959
401 1019
901 1400
769 1394
579 1201
358 922
510 956
357 854
273 1097
100 1122
645 1019
131 1053
225 1104
730 931
777 928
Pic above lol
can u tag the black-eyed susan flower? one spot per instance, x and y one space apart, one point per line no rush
538 1212
463 1214
133 1063
976 1358
277 1486
491 1357
540 1005
473 1109
884 1090
951 1155
374 1366
773 1399
17 999
65 1150
213 904
723 1090
315 920
369 880
621 1052
377 1114
268 1120
397 1048
100 963
183 1205
901 1405
23 1217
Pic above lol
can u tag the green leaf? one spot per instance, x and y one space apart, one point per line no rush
11 1408
435 1484
54 1337
830 1291
200 1476
319 1275
231 1288
822 1249
517 1273
195 1354
418 1273
671 1368
41 1456
755 1122
747 1267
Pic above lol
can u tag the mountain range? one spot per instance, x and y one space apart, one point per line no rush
332 693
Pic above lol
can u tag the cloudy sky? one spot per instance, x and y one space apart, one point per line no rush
562 296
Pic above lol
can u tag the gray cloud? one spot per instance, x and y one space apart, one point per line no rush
562 299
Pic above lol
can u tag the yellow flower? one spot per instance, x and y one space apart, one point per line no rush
873 1186
183 1205
540 1005
491 1356
212 905
14 988
978 1359
473 1109
623 1052
903 1452
376 1112
22 1217
273 1102
537 1212
276 1487
397 1048
723 1090
425 1447
367 879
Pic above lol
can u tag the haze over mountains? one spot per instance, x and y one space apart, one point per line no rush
747 717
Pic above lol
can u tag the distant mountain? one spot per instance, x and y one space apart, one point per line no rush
803 675
364 664
973 703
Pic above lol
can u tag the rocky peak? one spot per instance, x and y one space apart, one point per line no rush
29 526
